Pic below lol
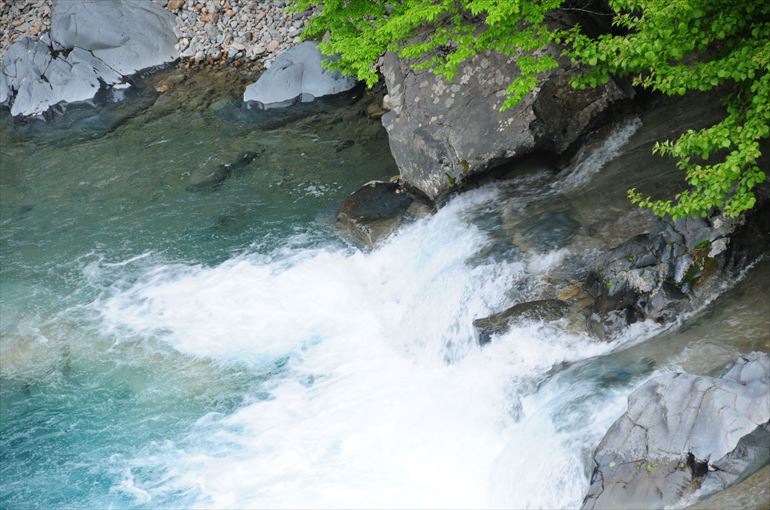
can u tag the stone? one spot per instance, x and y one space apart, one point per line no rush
100 43
545 310
296 75
552 230
753 493
658 275
443 132
210 178
127 35
376 210
678 429
175 5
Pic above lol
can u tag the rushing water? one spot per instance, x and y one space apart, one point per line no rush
167 344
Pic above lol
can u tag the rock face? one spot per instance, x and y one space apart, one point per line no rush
441 132
91 44
677 432
377 210
546 310
296 75
656 275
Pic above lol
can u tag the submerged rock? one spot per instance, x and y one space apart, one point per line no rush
678 430
296 75
545 310
377 210
443 132
210 178
553 230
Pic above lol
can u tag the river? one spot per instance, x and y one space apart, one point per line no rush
174 339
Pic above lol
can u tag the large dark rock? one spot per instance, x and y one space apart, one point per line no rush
679 429
444 132
296 75
545 310
377 210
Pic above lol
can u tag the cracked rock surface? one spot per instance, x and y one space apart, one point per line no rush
90 44
681 432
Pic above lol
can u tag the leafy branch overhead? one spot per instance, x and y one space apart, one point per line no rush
667 46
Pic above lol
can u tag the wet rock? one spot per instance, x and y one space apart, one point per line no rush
665 445
660 275
377 210
553 230
753 493
296 75
343 144
210 178
443 132
546 310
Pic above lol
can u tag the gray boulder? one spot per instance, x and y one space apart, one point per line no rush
444 132
127 35
96 43
678 428
376 210
297 74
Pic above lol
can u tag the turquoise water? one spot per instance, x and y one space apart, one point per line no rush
177 334
79 219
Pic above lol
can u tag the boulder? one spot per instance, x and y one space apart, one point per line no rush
678 429
377 210
92 44
127 35
444 132
296 75
545 310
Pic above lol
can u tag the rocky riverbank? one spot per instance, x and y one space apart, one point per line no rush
216 32
234 31
57 52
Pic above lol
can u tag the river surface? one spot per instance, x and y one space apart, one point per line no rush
172 339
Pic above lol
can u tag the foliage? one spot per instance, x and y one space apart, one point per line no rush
667 46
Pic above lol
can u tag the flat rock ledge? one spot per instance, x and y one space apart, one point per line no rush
683 432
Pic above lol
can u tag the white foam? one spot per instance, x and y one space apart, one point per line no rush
594 161
386 401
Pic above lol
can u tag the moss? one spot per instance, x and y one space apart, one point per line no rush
703 265
465 165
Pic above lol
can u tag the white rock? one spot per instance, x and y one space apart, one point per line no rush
297 73
128 35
